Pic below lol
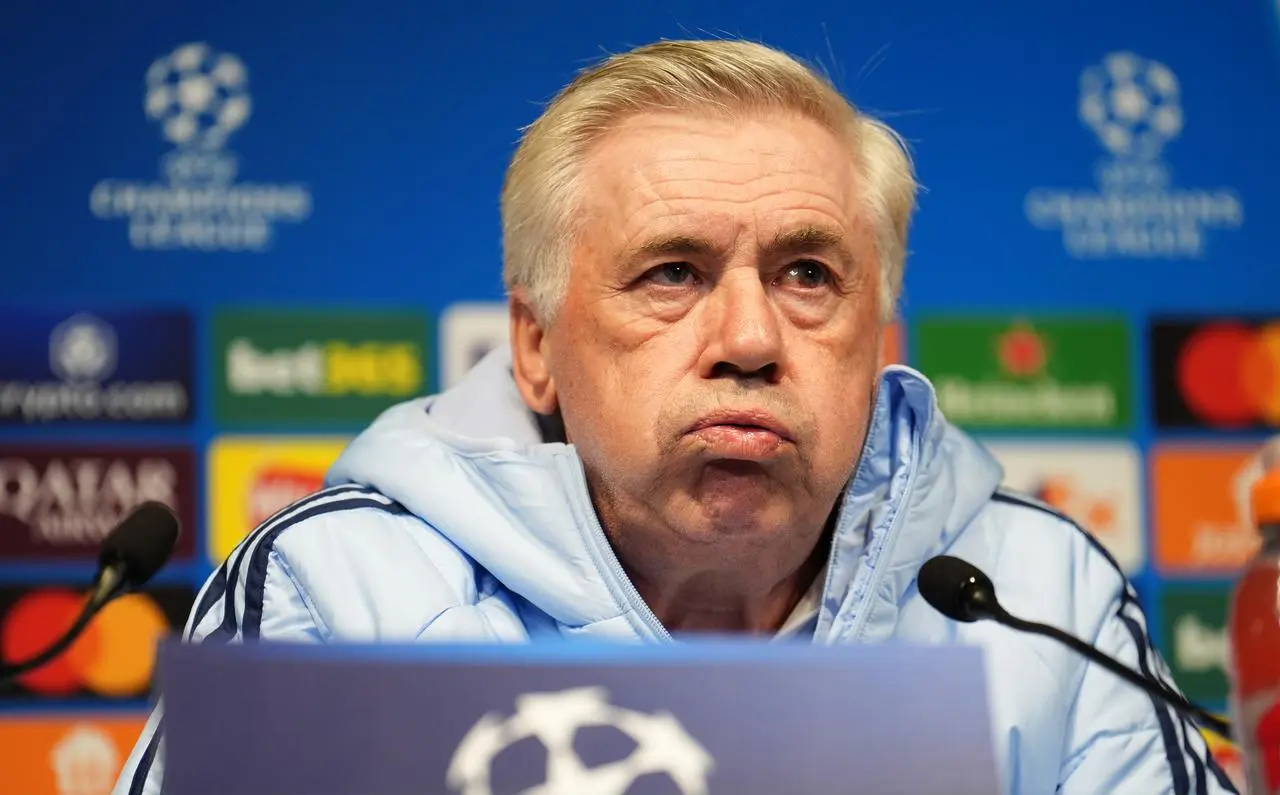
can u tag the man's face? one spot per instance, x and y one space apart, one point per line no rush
716 353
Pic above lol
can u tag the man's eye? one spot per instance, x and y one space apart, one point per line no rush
807 274
672 273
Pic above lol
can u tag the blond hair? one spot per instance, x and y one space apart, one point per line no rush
542 186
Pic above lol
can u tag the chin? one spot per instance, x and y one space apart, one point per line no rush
740 507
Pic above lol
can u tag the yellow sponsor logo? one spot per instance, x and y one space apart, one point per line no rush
253 477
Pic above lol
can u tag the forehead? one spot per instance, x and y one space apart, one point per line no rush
659 173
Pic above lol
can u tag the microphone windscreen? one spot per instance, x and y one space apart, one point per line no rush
143 542
945 583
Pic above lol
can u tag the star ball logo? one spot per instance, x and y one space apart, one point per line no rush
660 745
1221 373
1134 107
198 97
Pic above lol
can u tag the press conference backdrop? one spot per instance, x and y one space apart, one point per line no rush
233 232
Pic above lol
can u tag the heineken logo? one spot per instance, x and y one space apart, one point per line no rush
1022 352
1023 373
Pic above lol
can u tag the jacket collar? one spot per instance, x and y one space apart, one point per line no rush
471 463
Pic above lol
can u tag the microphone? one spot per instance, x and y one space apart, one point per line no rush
130 555
960 591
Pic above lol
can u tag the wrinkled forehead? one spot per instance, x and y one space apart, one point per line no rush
717 177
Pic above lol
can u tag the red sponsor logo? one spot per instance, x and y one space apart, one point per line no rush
277 487
1229 374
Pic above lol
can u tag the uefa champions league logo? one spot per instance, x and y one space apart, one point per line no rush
661 746
198 97
1133 105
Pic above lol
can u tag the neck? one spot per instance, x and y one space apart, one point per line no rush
729 598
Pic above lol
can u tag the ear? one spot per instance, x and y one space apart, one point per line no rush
529 357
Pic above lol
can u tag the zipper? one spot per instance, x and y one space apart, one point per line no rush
860 619
606 553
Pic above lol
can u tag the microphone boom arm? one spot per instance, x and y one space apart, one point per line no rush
1197 714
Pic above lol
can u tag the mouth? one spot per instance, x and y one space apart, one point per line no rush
741 435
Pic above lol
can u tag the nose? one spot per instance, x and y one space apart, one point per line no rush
743 335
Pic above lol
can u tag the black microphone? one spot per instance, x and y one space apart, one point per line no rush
130 555
960 591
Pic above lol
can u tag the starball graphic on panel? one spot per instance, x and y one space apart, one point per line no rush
199 97
1134 107
659 745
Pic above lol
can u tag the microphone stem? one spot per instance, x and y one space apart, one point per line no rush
1172 697
105 588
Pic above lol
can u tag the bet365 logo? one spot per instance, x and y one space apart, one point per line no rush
290 366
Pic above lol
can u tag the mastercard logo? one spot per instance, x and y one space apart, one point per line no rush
114 657
1229 374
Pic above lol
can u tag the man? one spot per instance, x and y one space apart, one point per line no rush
703 243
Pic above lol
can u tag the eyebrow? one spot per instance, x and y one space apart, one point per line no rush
794 242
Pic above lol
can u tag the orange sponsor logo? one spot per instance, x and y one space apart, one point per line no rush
65 755
1200 507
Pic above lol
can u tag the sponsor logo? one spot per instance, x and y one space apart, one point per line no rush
1099 485
67 754
198 97
251 478
1023 373
113 658
1201 515
1216 373
60 502
316 366
112 367
659 746
1195 640
1134 210
468 332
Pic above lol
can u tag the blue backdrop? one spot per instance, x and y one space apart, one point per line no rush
1111 156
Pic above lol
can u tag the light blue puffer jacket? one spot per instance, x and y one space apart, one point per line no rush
450 519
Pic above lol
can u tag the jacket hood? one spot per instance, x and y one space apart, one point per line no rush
472 464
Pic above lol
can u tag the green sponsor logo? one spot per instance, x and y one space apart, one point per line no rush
1195 640
1025 373
316 366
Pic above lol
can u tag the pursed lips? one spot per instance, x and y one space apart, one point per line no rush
750 435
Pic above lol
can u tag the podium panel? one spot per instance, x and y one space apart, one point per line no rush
705 718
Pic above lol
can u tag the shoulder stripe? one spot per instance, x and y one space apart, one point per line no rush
143 771
228 629
217 587
1168 733
256 579
1025 501
1197 764
1165 715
